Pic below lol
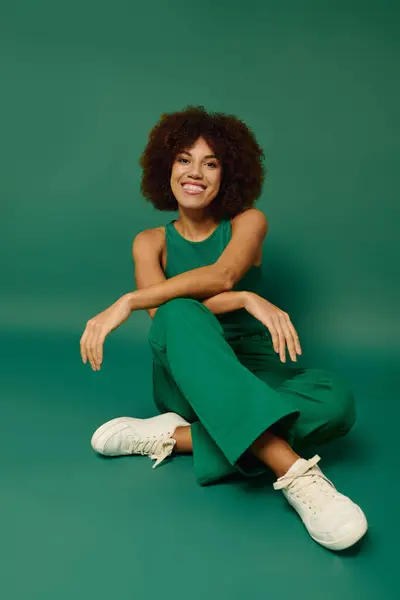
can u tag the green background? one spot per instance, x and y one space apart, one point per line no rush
82 84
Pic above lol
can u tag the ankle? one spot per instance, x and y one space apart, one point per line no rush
275 453
281 469
183 438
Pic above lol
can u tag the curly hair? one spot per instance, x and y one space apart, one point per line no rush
234 145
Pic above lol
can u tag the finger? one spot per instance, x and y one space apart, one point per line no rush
100 350
274 334
282 343
89 346
289 337
97 343
82 346
93 345
294 334
97 348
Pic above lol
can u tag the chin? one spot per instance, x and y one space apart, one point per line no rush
191 201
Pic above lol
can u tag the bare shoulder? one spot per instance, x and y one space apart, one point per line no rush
250 227
252 219
149 240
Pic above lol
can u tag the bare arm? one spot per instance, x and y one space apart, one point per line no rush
212 283
153 287
226 302
147 261
249 229
148 272
248 232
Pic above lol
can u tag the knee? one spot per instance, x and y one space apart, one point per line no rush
167 315
176 305
175 308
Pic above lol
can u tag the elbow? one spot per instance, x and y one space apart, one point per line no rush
226 280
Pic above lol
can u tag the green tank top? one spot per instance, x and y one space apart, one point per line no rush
185 255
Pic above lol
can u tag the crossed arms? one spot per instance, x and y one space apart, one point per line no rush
211 284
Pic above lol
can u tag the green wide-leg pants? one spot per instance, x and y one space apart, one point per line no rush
231 391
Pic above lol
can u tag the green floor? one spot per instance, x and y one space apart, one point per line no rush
84 81
76 525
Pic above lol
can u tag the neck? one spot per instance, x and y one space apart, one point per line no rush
195 226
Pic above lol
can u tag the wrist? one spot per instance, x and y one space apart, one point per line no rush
247 298
130 298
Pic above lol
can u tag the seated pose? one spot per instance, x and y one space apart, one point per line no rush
220 378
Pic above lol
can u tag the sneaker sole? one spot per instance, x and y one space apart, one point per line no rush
349 540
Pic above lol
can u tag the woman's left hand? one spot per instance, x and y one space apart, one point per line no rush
99 327
278 322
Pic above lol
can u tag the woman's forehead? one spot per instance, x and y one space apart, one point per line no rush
200 145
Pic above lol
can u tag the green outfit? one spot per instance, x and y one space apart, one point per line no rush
221 373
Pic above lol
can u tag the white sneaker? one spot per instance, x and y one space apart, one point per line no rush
331 518
126 435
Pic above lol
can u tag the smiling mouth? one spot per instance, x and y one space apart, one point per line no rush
193 188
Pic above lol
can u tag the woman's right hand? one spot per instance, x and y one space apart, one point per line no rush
278 323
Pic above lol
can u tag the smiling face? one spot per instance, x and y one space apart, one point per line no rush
196 176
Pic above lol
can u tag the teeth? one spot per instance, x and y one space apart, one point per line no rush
194 188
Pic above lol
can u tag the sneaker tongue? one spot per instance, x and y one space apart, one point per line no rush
305 481
298 470
303 474
297 466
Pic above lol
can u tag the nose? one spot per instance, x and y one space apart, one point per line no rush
195 171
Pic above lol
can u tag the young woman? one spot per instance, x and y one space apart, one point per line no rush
220 378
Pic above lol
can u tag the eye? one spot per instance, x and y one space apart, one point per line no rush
181 159
212 164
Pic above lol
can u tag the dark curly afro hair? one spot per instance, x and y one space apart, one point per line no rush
231 140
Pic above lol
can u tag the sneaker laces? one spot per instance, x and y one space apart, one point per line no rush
308 485
156 449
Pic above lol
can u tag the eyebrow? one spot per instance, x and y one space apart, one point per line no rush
208 155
